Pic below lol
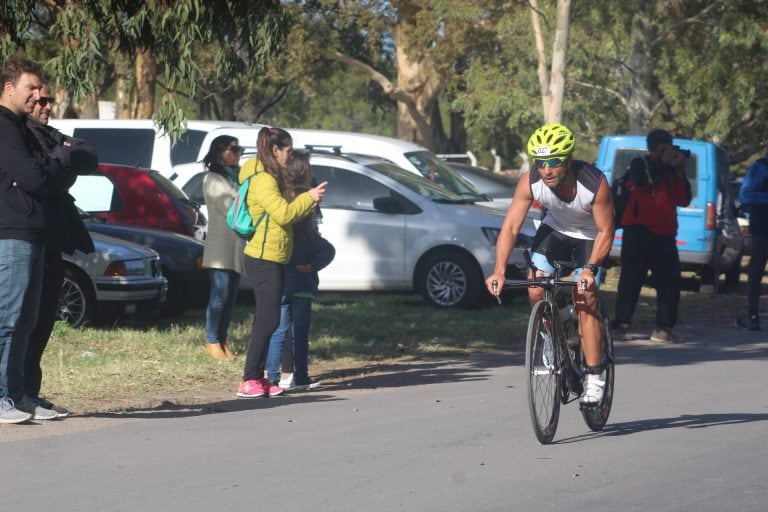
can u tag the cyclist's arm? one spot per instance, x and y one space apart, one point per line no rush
602 211
509 229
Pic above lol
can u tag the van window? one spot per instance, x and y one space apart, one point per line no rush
186 149
624 156
96 193
124 146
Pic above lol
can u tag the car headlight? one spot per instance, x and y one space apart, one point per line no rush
491 234
125 268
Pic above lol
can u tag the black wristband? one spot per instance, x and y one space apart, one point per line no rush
592 267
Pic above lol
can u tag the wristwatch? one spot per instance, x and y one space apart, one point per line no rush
592 267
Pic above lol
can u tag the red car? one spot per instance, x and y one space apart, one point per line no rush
139 197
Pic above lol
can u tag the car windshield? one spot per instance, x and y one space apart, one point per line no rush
438 171
416 183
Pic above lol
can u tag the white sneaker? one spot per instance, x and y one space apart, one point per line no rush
287 383
10 414
593 390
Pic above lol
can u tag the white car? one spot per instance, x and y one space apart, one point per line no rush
394 230
118 279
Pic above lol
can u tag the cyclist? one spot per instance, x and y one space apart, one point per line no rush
577 225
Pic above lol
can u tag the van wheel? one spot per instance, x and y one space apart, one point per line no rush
450 280
77 300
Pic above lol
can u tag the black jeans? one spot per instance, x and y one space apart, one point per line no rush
267 280
53 276
757 261
642 251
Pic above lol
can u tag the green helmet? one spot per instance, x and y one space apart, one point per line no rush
552 139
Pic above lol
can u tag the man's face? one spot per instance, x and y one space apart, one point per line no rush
552 170
663 151
22 97
42 110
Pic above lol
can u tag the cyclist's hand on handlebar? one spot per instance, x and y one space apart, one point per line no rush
586 282
494 284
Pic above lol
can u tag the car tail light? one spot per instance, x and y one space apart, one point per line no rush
711 216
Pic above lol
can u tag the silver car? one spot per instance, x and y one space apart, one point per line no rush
119 279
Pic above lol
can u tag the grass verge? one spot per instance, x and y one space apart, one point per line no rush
130 365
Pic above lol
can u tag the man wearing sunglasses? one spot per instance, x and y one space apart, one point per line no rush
66 233
577 226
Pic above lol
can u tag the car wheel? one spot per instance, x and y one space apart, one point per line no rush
451 280
77 301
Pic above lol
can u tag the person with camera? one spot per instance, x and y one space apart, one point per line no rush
658 185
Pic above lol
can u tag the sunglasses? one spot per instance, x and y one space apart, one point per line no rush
236 150
550 162
44 101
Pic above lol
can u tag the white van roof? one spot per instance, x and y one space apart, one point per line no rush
349 140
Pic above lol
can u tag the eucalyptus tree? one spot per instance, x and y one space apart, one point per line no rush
686 65
159 38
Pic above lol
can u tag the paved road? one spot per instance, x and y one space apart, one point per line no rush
688 432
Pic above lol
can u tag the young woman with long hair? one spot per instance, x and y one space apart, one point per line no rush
270 248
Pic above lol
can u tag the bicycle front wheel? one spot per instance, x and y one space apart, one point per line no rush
542 367
596 417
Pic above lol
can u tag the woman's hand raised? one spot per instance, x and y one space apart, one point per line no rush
318 192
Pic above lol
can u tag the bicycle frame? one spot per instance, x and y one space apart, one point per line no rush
553 365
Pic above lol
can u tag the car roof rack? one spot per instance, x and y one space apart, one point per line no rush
323 148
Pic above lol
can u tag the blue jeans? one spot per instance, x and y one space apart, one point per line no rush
21 283
221 303
295 314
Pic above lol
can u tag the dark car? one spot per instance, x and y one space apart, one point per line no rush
181 260
139 197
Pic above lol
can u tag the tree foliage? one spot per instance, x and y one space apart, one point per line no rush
452 74
240 37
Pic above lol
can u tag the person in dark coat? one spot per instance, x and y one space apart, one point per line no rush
65 233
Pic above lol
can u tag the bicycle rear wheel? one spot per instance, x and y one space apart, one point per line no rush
596 417
542 367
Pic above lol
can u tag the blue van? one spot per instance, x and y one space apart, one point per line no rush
709 239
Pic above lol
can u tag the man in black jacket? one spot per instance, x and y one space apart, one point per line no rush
65 233
25 180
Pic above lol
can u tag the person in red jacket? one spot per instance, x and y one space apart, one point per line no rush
658 185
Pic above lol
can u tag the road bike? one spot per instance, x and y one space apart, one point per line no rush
554 362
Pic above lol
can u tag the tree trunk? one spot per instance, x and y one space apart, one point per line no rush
416 78
640 92
124 80
554 112
146 74
552 83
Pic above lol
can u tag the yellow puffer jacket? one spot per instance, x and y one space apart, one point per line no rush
273 239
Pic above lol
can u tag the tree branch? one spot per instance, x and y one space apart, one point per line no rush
612 92
389 88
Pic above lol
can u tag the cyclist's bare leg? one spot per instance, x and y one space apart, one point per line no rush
590 326
535 294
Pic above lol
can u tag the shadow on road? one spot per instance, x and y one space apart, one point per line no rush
690 421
